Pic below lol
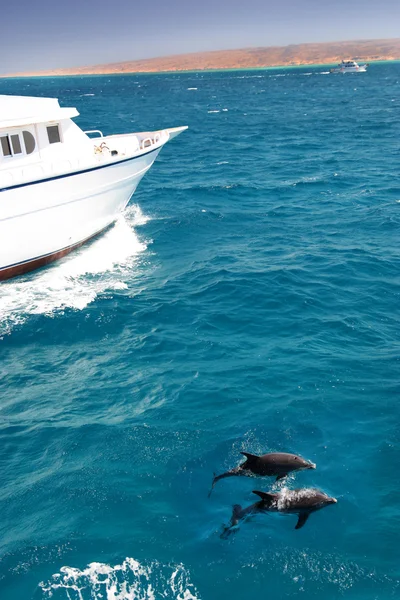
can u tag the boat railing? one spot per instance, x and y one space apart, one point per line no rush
94 131
62 165
114 147
150 141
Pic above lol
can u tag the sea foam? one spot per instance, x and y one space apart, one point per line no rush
130 580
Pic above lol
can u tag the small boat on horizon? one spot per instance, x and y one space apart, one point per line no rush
349 66
59 187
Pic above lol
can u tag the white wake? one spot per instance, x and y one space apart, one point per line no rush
74 282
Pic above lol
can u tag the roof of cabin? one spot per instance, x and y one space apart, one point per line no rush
16 111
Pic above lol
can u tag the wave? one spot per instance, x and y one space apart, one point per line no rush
130 580
66 283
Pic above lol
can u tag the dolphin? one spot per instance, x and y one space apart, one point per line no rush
301 502
274 464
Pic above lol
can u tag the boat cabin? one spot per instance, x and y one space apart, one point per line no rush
39 140
36 130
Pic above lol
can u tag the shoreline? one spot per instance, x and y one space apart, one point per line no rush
186 71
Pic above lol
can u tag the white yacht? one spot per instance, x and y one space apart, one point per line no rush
349 66
59 185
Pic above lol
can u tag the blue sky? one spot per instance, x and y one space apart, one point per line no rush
47 34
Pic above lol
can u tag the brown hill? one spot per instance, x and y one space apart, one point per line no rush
295 54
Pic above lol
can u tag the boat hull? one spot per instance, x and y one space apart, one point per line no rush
43 221
37 263
359 69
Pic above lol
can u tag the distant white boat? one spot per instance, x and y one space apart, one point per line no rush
349 66
59 187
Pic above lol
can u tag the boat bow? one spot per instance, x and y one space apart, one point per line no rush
174 131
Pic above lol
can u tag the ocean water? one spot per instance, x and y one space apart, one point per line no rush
248 300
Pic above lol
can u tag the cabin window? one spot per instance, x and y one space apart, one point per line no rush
11 145
53 133
29 142
16 144
5 145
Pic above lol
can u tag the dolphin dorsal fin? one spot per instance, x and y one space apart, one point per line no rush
265 496
250 456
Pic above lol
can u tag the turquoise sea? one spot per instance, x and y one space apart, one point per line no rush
247 300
